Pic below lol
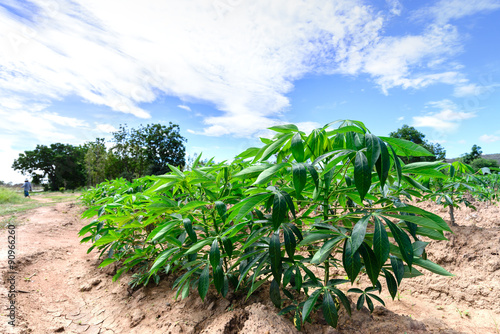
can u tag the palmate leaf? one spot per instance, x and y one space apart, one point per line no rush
370 261
214 254
358 232
309 304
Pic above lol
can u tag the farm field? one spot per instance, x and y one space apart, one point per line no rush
62 290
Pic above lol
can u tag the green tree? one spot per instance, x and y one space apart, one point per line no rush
482 162
474 154
148 150
96 161
62 163
411 134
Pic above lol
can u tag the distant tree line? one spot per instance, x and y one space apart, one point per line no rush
472 158
132 153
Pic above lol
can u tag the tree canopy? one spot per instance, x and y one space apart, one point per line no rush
62 163
411 134
474 154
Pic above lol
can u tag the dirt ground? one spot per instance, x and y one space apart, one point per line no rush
61 290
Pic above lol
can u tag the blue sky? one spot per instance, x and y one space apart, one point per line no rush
225 70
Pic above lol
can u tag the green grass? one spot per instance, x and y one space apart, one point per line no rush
9 196
17 206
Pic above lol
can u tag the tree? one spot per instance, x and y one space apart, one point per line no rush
410 133
95 161
482 162
148 150
62 163
474 154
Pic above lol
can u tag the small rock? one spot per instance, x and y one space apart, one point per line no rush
96 281
86 287
136 318
58 329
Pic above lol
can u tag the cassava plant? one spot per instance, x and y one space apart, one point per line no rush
331 200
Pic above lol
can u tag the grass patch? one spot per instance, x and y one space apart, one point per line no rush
8 221
9 196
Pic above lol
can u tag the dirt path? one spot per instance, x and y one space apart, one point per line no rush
61 290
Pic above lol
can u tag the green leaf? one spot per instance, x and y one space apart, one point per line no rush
252 171
362 174
279 209
325 250
421 221
419 247
343 299
351 261
358 232
299 177
403 241
274 147
373 149
360 302
398 268
297 147
188 226
383 164
290 242
371 264
274 293
381 244
241 209
329 309
285 128
314 174
192 205
162 258
275 256
392 286
309 304
397 165
203 283
199 245
219 278
407 148
269 173
431 266
435 218
215 254
221 209
228 246
106 262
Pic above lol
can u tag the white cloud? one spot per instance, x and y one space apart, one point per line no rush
489 138
242 57
105 128
446 120
445 10
401 118
184 107
395 7
473 89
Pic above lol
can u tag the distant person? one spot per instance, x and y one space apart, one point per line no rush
27 188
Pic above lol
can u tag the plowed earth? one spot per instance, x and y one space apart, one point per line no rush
61 290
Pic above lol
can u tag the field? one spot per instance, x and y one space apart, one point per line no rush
61 288
335 231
